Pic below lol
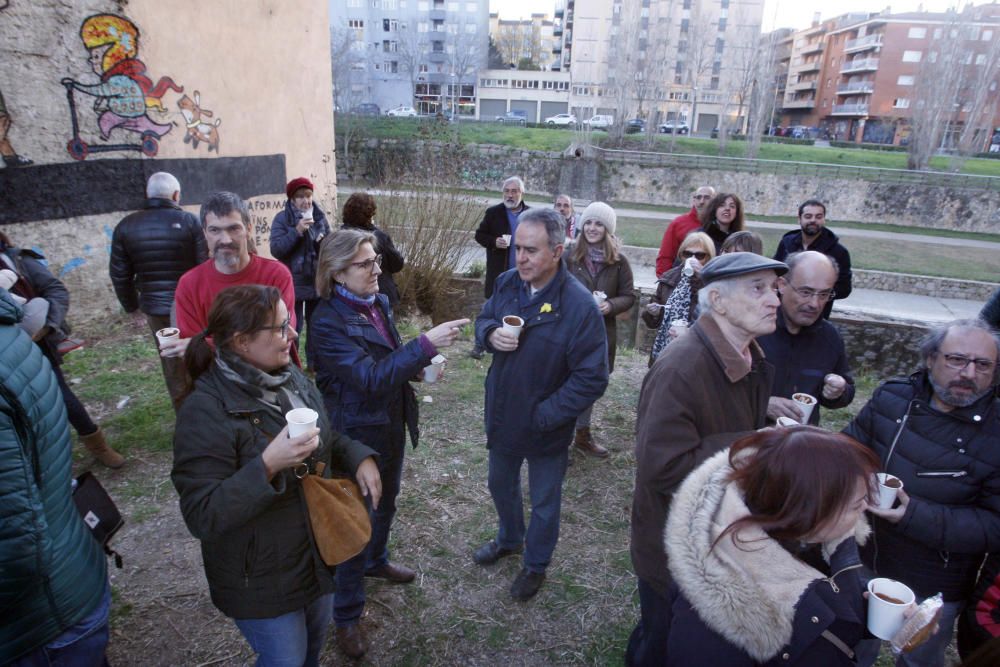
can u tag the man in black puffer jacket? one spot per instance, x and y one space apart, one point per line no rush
150 250
938 432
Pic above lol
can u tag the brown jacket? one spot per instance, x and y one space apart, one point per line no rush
697 399
615 280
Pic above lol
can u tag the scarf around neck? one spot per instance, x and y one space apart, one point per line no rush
275 390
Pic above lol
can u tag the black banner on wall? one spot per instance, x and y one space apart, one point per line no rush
92 187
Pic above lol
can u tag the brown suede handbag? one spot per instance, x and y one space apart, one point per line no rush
338 514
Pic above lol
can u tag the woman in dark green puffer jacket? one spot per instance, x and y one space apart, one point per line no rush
53 574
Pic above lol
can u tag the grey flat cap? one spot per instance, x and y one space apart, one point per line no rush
735 264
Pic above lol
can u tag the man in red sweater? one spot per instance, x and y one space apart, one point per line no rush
681 226
225 220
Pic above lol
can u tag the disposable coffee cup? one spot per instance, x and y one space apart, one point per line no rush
506 238
300 420
887 600
806 403
680 324
513 324
787 421
888 488
307 215
600 297
433 372
166 334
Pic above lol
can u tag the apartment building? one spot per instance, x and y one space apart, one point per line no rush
538 94
861 78
530 41
420 53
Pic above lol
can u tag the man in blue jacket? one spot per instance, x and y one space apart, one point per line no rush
540 380
54 594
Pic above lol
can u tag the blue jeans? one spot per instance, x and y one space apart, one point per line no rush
293 639
545 478
350 575
647 645
82 645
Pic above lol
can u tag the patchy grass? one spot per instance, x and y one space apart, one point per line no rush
456 612
963 262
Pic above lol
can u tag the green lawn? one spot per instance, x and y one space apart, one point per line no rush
967 263
558 139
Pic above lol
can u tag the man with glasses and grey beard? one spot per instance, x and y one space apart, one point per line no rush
938 431
225 219
807 351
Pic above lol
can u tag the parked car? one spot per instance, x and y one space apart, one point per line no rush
599 122
561 119
732 132
514 116
402 111
674 127
635 126
366 109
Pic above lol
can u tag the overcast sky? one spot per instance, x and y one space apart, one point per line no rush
777 13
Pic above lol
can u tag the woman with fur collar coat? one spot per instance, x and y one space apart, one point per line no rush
761 542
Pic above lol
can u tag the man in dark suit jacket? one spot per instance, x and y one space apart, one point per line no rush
495 233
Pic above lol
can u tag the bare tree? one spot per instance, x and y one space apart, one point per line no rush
764 90
508 42
699 49
350 74
979 101
411 52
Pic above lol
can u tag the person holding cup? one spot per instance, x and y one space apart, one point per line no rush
677 292
597 262
364 370
762 552
296 233
237 471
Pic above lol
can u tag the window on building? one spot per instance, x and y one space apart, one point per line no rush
911 56
378 67
423 6
905 80
687 4
720 45
392 66
437 47
422 68
980 58
438 25
453 6
355 24
714 83
932 57
901 103
682 46
722 25
385 25
917 33
986 36
685 24
423 26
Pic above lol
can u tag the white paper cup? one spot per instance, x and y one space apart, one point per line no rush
167 333
433 372
513 324
506 237
680 324
300 420
787 421
600 297
806 403
885 618
887 494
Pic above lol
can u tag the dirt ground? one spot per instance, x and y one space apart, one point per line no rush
455 612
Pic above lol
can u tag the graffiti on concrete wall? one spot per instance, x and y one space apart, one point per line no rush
8 156
130 108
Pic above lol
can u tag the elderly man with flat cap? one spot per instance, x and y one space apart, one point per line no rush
708 388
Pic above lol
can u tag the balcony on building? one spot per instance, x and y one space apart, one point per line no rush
437 57
856 88
559 11
859 109
863 43
815 47
803 103
860 65
801 85
808 66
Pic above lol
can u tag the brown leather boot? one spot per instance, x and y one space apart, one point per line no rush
584 441
98 446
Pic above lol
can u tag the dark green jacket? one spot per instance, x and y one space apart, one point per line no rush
52 571
256 542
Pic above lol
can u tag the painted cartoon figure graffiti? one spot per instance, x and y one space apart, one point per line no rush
8 156
197 129
125 94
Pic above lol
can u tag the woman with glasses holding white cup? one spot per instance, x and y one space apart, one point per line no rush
364 371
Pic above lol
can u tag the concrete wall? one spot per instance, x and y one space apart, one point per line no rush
483 167
233 95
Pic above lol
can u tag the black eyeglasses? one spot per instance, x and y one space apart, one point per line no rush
959 362
824 295
369 264
700 256
281 328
